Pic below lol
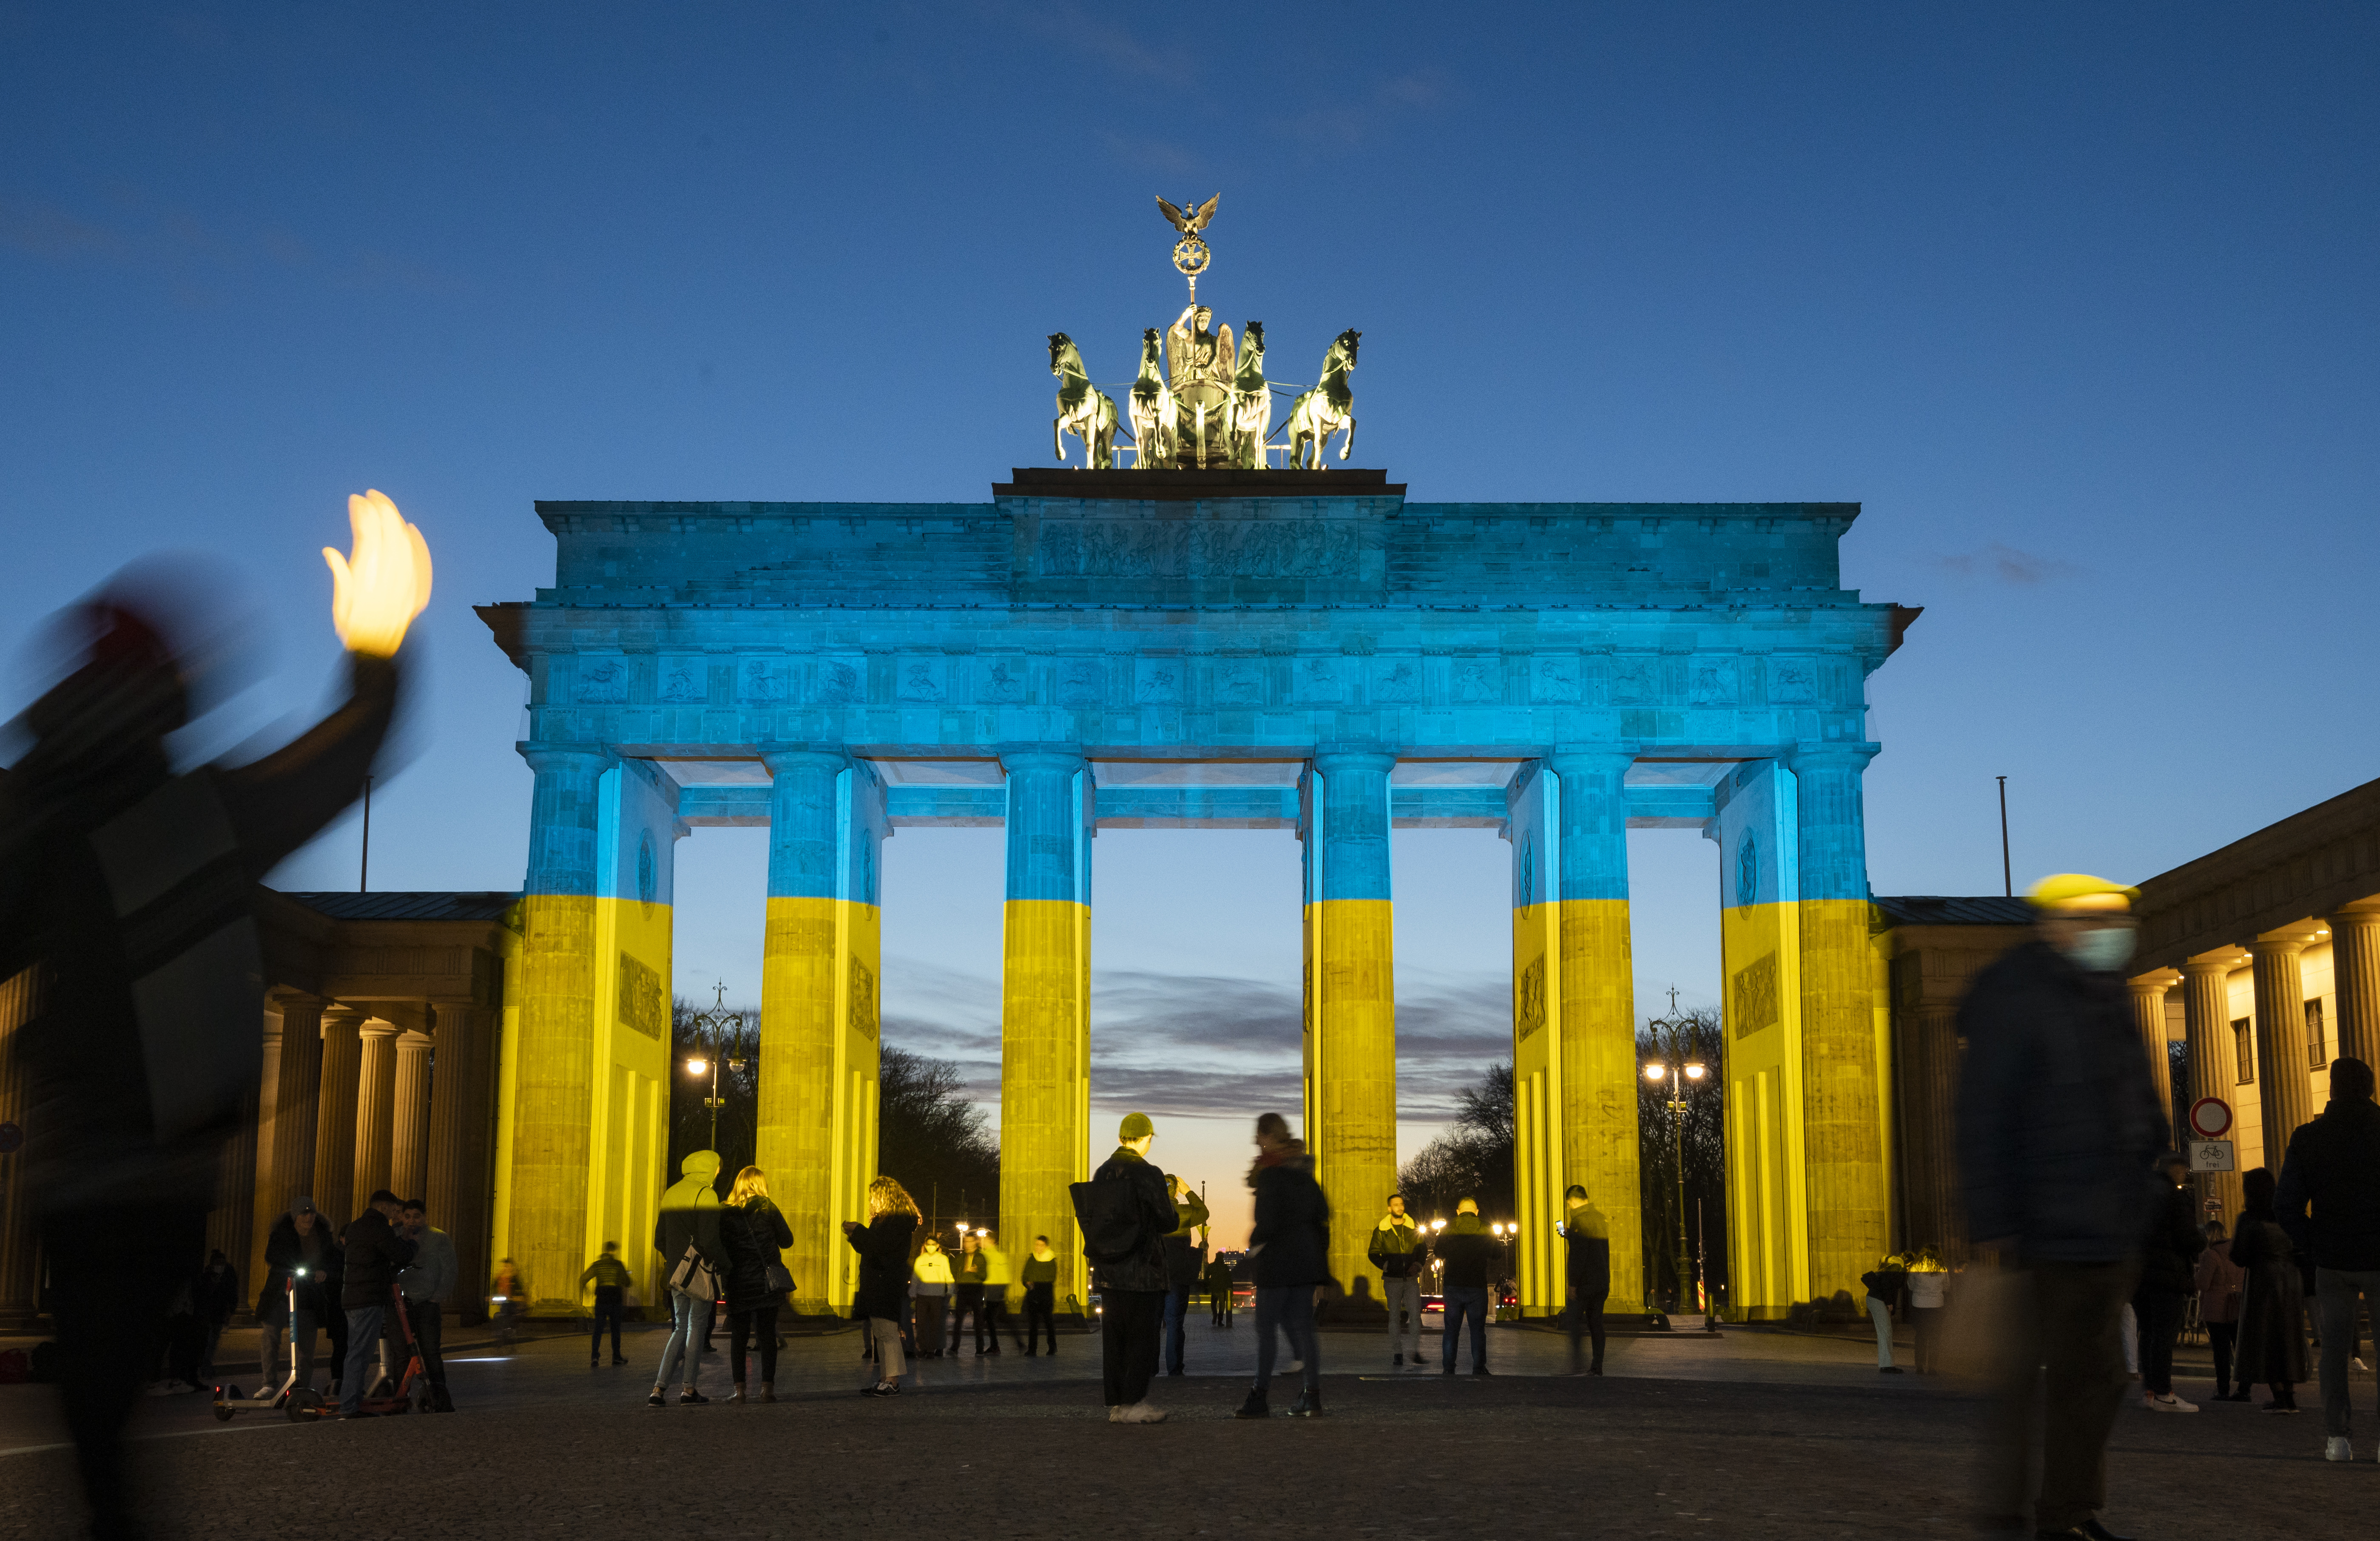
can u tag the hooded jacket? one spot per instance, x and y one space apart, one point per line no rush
1291 1237
1469 1252
689 1216
2333 1169
2058 1118
1396 1247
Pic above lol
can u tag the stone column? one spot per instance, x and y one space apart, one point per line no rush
2214 1060
1850 1189
297 1120
231 1219
335 1123
408 1139
553 1102
1597 996
375 1108
1045 1006
262 1207
819 1008
458 1155
1351 1000
2148 1016
2284 1080
2355 964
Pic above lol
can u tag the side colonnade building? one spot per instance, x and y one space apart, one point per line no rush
1298 650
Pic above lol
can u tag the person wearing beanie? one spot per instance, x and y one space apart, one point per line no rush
2059 1127
1130 1273
1396 1250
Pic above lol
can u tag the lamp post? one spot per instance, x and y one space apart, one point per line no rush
1678 1067
715 1022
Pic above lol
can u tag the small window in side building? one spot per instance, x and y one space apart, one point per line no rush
2243 1037
2317 1043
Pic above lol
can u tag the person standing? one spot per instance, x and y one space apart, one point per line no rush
1588 1270
1041 1276
1396 1250
425 1284
2272 1309
2329 1198
374 1253
932 1276
2168 1273
1219 1291
297 1267
129 888
2220 1282
508 1292
1184 1259
1468 1252
1291 1244
998 1278
687 1235
612 1279
1887 1285
966 1289
753 1235
2057 1120
883 1247
1132 1284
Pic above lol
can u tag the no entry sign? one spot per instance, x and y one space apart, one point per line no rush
2210 1118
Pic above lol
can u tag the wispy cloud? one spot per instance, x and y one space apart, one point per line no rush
2007 564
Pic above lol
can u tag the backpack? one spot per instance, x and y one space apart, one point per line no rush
1109 1215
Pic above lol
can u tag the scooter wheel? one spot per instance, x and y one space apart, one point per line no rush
301 1406
223 1412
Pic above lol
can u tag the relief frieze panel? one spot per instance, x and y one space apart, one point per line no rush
1200 548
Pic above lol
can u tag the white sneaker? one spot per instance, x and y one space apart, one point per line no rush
1143 1412
1116 1414
2337 1448
2170 1403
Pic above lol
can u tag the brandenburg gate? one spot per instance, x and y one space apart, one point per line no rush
1252 647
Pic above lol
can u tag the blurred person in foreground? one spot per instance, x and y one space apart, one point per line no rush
128 888
2058 1125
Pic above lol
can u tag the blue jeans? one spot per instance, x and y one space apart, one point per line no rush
363 1355
1463 1300
1177 1306
1290 1308
689 1325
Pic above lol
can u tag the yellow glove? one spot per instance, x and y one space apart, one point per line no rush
375 595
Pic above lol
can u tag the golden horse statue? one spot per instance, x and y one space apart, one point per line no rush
1251 423
1326 408
1152 408
1083 410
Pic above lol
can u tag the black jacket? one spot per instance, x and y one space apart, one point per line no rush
1145 1269
2332 1166
752 1234
2057 1117
1588 1236
883 1247
1470 1254
218 1294
284 1249
2170 1247
374 1253
1292 1238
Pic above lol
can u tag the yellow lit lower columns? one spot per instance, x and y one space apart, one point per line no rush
1351 1005
819 1010
1045 1008
1573 1020
583 1104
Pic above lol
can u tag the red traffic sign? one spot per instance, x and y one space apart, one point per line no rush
2211 1117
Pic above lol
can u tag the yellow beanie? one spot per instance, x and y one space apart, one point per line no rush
2079 892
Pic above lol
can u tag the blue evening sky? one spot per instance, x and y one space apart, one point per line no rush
2077 301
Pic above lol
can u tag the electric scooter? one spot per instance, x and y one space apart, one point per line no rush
228 1401
411 1393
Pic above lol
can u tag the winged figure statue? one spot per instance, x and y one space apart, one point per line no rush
1196 220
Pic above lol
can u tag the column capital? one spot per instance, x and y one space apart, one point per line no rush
413 1040
832 758
2212 964
1353 757
1573 759
334 1011
585 758
2156 982
1068 758
1829 757
377 1027
2278 946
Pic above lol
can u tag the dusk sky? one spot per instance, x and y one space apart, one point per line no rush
2077 302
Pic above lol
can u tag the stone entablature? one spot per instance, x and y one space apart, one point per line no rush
2287 874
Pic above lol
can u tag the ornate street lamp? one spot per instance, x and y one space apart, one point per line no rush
717 1023
1678 1067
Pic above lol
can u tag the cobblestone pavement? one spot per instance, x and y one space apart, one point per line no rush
1754 1434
